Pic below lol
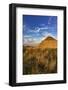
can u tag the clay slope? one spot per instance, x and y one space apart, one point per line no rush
49 42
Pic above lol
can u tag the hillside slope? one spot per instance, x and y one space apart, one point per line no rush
49 42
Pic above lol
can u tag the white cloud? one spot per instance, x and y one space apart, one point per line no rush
48 34
45 28
49 21
27 36
38 29
28 40
44 34
31 41
42 24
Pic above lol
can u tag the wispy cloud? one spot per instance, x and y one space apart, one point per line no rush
30 41
49 21
44 34
42 24
27 36
45 28
38 29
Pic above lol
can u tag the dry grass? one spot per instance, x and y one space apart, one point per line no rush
39 61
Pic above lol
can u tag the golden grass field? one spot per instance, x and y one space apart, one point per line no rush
41 59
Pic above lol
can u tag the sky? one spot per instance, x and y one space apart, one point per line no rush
36 28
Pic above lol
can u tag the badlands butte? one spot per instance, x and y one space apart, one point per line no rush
40 59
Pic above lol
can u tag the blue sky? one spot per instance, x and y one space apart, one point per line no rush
36 28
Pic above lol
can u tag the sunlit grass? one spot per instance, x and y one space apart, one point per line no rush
39 61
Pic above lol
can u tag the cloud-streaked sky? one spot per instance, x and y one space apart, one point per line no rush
36 28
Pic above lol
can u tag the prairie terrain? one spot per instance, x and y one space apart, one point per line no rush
41 59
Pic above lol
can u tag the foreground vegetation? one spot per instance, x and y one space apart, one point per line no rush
39 61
